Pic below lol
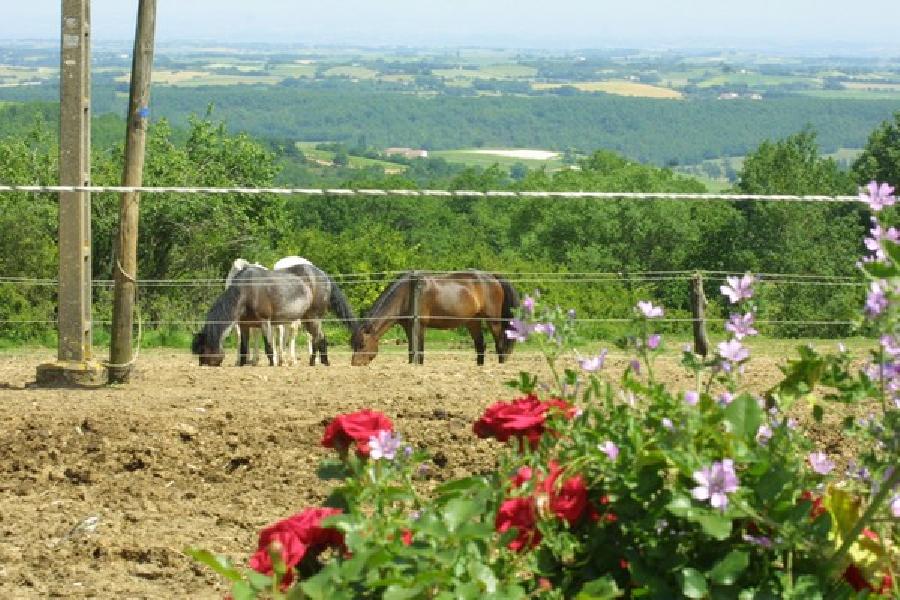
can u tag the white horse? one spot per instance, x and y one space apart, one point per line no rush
237 266
286 263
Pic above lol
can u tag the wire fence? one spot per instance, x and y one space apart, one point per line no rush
350 192
369 281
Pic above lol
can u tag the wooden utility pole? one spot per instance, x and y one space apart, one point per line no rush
416 356
74 356
125 268
698 310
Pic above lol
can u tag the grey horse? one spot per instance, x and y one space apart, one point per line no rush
258 297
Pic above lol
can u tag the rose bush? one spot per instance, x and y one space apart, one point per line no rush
622 487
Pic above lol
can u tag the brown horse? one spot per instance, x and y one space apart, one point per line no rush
463 299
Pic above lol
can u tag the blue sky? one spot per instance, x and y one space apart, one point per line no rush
835 25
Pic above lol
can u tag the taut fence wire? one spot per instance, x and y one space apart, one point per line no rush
42 189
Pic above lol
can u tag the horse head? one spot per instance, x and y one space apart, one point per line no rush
210 356
365 347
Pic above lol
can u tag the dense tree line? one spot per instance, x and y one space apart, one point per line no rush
186 237
648 130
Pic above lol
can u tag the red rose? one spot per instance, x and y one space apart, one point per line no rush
296 536
356 427
521 418
521 514
817 508
569 500
406 537
522 476
855 578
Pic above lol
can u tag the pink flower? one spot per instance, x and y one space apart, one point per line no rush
763 434
691 397
716 482
878 196
741 326
726 398
733 351
384 445
609 449
647 309
738 288
895 507
593 363
528 304
653 341
820 463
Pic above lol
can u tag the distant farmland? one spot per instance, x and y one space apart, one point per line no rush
619 88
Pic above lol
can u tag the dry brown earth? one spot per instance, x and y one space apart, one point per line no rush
190 456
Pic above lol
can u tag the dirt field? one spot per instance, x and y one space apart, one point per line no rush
190 456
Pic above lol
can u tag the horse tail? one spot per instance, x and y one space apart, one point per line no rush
341 306
510 301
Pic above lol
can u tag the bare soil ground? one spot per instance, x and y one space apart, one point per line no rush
189 456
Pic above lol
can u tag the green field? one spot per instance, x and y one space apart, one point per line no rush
472 158
326 158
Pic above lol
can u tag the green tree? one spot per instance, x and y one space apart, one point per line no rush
880 160
781 237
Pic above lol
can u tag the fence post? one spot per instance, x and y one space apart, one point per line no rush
698 309
74 365
125 267
416 357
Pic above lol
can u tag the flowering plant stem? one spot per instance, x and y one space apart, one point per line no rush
883 492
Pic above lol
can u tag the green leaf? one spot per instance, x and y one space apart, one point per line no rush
880 270
806 587
693 584
716 525
460 486
744 416
604 588
242 591
258 581
484 575
459 511
396 592
728 569
331 469
219 564
680 506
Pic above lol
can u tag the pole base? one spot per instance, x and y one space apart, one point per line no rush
71 374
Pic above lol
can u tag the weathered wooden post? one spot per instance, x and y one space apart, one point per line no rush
74 363
698 310
125 268
416 356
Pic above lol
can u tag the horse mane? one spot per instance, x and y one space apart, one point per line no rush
380 305
219 318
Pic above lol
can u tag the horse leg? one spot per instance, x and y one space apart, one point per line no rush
323 345
243 344
316 342
407 328
421 340
477 334
294 329
499 342
268 341
254 335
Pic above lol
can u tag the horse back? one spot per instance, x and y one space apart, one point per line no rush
462 295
